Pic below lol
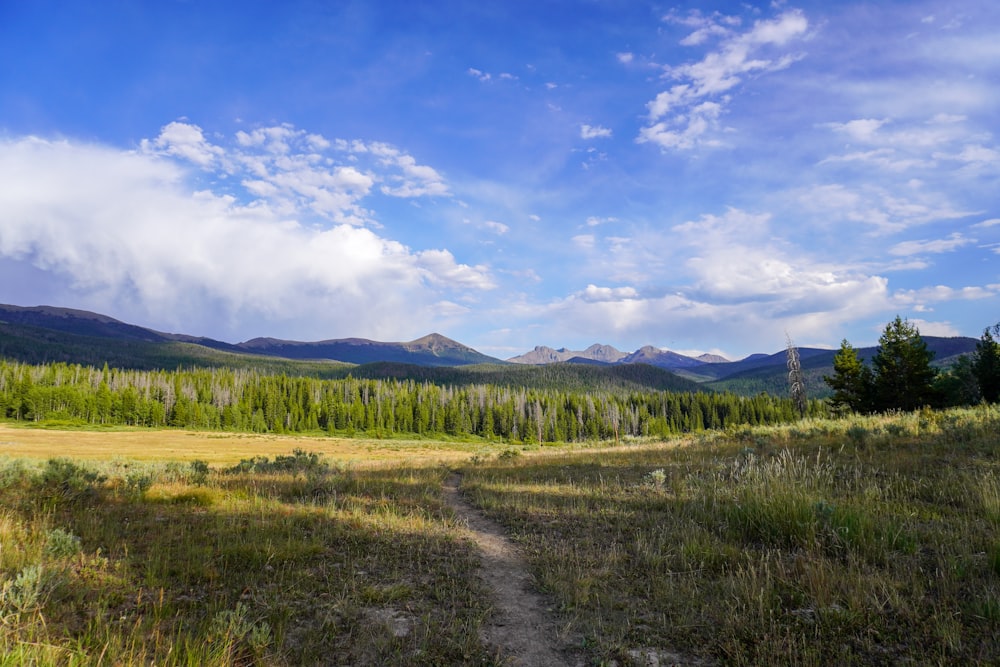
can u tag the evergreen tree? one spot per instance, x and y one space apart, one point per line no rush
958 384
986 364
903 374
851 381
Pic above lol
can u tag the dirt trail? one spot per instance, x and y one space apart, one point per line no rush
521 628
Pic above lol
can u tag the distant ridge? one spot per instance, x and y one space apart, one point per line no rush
431 350
546 355
46 333
608 355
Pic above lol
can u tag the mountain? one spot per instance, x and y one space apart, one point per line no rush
87 333
78 322
654 356
712 359
431 350
546 355
608 355
49 334
769 373
753 374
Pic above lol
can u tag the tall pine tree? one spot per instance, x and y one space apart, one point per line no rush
986 364
851 381
902 367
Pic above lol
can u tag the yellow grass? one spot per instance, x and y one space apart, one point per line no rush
219 448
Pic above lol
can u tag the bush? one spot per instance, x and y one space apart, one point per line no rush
299 461
60 543
62 481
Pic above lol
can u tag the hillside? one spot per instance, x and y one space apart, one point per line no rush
62 334
46 334
119 345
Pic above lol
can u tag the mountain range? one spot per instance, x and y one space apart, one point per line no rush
46 333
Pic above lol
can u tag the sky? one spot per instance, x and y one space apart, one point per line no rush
701 177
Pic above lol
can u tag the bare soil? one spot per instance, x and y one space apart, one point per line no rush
522 629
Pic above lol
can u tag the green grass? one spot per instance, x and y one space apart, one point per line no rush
870 540
308 566
866 541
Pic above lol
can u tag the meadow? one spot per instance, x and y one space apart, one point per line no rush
866 540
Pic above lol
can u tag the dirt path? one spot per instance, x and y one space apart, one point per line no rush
521 628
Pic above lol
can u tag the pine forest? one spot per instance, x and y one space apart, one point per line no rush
251 401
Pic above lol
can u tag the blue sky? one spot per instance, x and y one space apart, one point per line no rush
702 177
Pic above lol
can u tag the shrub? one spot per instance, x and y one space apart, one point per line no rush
61 543
63 481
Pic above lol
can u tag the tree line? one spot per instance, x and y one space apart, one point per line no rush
901 377
253 401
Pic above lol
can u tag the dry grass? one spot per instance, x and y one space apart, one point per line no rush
132 563
867 541
219 448
874 540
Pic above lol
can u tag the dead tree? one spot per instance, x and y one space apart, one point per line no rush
796 384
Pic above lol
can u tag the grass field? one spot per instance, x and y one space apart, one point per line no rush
217 448
865 541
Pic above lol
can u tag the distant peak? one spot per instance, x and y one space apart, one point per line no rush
435 340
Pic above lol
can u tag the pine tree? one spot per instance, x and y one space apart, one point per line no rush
986 364
851 381
903 374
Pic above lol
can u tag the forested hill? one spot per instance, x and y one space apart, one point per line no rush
44 333
247 400
36 345
572 377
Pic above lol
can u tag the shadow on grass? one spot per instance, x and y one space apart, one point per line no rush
258 569
804 553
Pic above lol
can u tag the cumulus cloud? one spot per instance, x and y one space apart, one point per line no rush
731 277
594 132
593 293
943 329
186 141
944 294
292 171
686 115
496 227
479 74
134 229
679 320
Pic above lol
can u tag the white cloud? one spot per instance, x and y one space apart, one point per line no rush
678 320
992 222
943 329
950 244
861 129
292 170
496 227
943 293
973 154
186 141
594 132
593 293
128 230
685 115
625 57
479 74
876 208
594 221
